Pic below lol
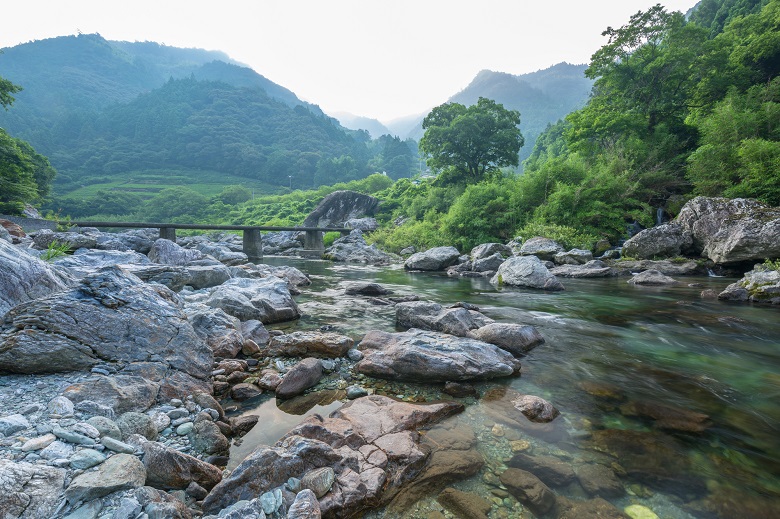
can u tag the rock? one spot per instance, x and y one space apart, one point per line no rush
241 392
489 264
639 512
24 278
529 490
354 249
255 331
60 406
418 355
651 278
86 458
760 285
206 437
536 409
459 390
305 506
222 253
73 240
122 393
29 491
573 257
517 339
364 224
220 330
308 344
12 424
116 445
57 450
86 261
591 509
319 480
464 504
167 252
427 315
137 423
668 417
159 505
12 229
487 250
363 288
110 317
41 442
553 471
106 427
542 248
437 258
119 472
267 300
4 234
339 207
526 271
299 378
240 425
354 392
599 480
167 468
269 380
499 404
684 268
173 277
668 240
591 269
732 230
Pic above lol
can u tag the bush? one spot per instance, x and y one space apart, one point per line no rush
329 237
568 237
422 235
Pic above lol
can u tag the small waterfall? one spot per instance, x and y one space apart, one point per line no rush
659 216
711 274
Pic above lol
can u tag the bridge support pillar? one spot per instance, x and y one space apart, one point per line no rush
253 243
313 241
169 233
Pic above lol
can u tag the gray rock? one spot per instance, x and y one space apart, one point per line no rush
244 391
207 276
526 271
74 240
305 506
517 339
418 355
24 278
364 288
222 253
267 300
573 257
121 392
57 450
167 252
222 332
354 392
486 250
137 423
255 331
161 505
665 241
128 508
339 207
60 405
86 458
598 480
270 502
536 409
29 491
354 355
13 423
651 277
206 437
115 445
91 510
354 249
72 437
299 378
489 264
173 277
542 248
529 490
437 258
119 472
427 315
86 261
685 268
760 285
308 344
167 468
364 224
591 269
319 480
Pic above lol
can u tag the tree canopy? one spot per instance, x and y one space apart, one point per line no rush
470 142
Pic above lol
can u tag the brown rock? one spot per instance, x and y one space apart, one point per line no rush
598 480
240 425
464 504
168 468
308 344
668 417
551 470
241 392
529 490
535 408
592 509
301 377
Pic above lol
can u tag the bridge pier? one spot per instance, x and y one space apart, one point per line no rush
168 233
253 243
313 240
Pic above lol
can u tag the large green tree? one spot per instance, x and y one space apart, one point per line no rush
470 142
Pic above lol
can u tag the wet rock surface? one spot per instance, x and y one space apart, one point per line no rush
526 271
437 258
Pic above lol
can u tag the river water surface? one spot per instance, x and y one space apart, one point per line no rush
613 354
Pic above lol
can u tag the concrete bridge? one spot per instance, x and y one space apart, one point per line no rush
253 245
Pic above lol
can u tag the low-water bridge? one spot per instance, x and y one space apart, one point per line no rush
253 244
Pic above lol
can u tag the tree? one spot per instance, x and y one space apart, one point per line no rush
7 89
472 142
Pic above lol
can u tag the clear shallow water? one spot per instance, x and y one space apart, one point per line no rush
609 345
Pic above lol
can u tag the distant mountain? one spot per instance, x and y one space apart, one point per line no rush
408 127
355 122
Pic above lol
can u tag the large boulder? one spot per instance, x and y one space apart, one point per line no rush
267 299
167 468
111 317
222 332
437 258
526 271
651 278
542 248
354 249
168 252
760 285
24 277
86 261
591 269
517 339
417 356
29 491
222 253
666 241
339 207
486 250
119 472
371 443
573 257
74 240
732 230
301 377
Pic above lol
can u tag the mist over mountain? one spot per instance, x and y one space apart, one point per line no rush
357 122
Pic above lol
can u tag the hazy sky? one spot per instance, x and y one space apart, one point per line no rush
377 58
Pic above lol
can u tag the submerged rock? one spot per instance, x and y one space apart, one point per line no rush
418 355
529 490
464 504
591 269
526 271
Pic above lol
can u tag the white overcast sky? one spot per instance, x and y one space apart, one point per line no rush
376 58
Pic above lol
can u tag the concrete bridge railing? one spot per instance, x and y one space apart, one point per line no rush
252 241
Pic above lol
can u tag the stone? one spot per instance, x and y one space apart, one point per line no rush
573 257
364 288
591 269
86 458
464 504
551 470
667 240
596 508
13 423
269 380
137 423
299 378
29 491
25 278
542 248
267 300
364 224
41 442
222 332
354 392
339 207
517 339
57 450
222 253
167 252
255 331
651 278
427 315
106 427
526 271
270 502
599 480
243 391
240 425
668 417
115 445
72 437
60 405
354 249
158 505
666 267
760 285
206 437
305 506
437 258
459 390
486 250
418 355
73 240
167 468
319 480
86 261
325 345
529 490
536 409
119 472
639 512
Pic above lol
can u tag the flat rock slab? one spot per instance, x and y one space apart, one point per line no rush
651 278
119 472
418 355
308 344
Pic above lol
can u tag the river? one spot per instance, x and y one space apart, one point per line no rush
613 354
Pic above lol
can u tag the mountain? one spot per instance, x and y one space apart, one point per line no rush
355 122
106 111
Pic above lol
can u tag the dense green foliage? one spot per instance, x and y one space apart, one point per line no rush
471 142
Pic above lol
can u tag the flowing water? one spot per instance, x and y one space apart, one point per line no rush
614 355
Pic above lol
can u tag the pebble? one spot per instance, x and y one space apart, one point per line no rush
184 429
